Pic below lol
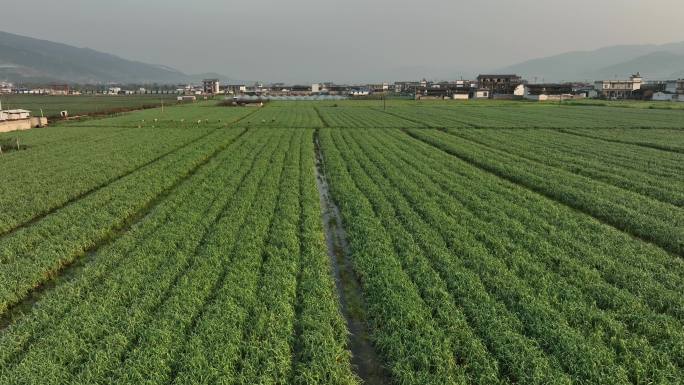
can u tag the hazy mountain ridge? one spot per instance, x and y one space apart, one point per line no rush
28 60
654 62
25 59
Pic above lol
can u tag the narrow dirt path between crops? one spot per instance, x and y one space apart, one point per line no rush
365 361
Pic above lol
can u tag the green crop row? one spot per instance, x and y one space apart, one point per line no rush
183 116
151 269
655 221
321 355
191 308
641 268
526 115
514 284
415 349
49 176
357 117
653 173
33 253
51 105
186 246
668 140
628 300
294 116
231 261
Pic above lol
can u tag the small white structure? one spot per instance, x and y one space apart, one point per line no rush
12 120
315 88
359 92
460 96
519 90
6 88
481 94
186 98
663 96
15 114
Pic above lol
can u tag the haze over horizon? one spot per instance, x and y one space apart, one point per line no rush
344 41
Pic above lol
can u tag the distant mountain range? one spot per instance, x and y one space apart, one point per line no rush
654 62
28 60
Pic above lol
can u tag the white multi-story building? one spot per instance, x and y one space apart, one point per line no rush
6 88
211 86
619 89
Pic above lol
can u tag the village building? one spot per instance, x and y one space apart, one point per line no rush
551 92
459 90
501 86
59 89
378 87
300 90
619 89
406 87
6 88
679 87
337 89
211 86
481 93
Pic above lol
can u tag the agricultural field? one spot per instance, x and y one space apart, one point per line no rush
346 242
83 104
527 115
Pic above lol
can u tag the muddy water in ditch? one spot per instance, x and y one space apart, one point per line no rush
365 361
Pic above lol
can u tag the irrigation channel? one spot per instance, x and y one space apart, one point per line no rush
365 361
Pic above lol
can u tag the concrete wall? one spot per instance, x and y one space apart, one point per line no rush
37 121
538 98
663 97
22 124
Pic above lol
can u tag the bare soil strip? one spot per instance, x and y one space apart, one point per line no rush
365 361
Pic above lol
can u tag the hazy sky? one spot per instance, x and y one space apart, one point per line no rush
343 40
